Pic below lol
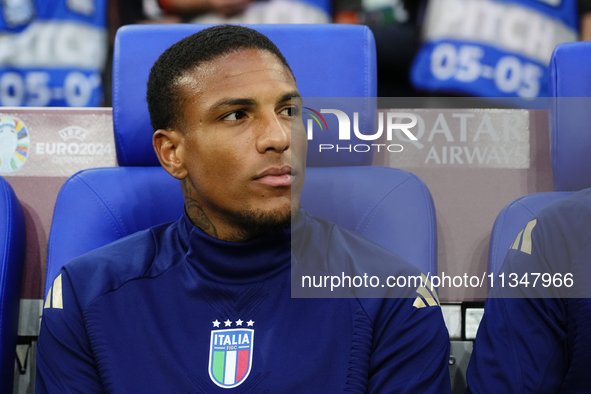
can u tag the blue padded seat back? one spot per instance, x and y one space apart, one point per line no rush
391 207
12 254
327 61
570 116
99 206
570 145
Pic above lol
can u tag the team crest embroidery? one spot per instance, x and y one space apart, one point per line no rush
230 354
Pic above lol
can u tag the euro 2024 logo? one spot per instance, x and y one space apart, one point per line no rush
14 144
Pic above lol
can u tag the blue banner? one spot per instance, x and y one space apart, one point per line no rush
52 52
492 48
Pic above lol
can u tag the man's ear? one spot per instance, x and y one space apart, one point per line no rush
168 147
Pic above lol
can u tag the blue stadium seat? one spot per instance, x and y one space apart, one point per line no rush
12 254
392 207
570 146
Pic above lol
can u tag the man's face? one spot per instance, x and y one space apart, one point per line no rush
244 143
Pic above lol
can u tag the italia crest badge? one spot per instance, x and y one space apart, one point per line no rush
230 354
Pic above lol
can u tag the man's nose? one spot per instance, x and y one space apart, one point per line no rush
275 134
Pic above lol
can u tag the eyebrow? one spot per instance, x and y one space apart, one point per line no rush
289 96
238 101
252 102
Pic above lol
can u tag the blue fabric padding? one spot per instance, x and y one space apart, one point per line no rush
12 256
98 206
327 60
512 220
570 145
391 207
570 117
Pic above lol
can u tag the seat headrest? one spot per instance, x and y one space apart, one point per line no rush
12 261
327 61
570 116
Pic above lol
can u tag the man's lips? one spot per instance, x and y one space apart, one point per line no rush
276 176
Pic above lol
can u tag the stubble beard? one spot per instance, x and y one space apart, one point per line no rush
248 222
258 222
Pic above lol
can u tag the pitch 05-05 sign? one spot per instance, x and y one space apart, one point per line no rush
492 48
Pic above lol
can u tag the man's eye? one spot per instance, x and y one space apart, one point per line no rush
290 111
236 115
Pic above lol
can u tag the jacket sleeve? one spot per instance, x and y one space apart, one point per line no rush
65 362
521 345
410 353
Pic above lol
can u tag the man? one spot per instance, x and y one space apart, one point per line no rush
535 336
203 304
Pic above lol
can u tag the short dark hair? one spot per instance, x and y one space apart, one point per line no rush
164 101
